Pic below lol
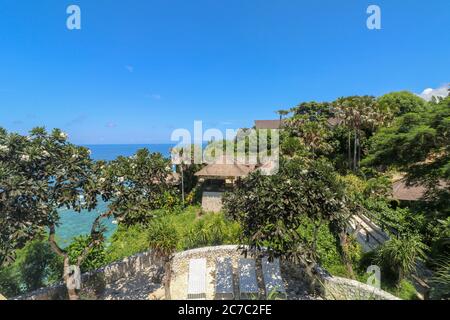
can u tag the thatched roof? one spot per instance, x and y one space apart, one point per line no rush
401 191
268 124
224 168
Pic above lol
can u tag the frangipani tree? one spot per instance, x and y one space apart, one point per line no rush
39 174
271 209
138 185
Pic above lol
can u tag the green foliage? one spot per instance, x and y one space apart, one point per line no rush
95 257
404 290
399 103
39 265
127 241
440 282
418 143
314 110
40 173
210 230
271 209
10 282
35 266
138 185
193 232
163 238
399 256
306 133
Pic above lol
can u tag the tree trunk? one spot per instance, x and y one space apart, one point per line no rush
167 278
68 280
349 150
354 150
182 183
400 277
345 256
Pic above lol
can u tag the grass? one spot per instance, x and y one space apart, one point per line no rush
194 231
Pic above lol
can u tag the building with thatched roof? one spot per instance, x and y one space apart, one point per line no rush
401 191
219 176
404 192
268 124
225 171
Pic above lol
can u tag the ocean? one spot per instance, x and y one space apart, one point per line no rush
72 223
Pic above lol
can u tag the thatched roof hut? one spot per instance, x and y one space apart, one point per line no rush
403 191
225 168
268 124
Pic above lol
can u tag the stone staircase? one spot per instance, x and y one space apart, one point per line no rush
367 233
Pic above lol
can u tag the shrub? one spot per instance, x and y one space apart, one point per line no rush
10 281
127 241
35 266
96 258
39 265
400 256
440 283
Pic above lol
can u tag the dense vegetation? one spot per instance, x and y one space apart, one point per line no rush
338 159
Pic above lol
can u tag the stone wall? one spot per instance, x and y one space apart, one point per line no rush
94 283
337 288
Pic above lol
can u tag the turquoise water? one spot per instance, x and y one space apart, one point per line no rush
73 224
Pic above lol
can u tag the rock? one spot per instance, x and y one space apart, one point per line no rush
2 297
158 294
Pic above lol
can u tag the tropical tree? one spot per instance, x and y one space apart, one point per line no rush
396 104
163 240
358 113
40 174
137 186
416 143
271 209
313 134
314 110
187 160
282 113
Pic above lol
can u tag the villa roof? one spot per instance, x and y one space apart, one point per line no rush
268 124
402 191
224 168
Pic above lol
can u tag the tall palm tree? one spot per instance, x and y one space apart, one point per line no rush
282 113
163 239
358 112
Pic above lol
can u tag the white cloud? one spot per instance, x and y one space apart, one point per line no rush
428 93
154 96
111 125
129 68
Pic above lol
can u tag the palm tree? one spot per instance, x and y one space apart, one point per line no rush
282 113
358 113
163 239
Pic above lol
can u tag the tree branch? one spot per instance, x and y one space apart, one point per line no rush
94 241
53 244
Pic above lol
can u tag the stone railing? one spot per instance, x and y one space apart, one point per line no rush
94 282
337 288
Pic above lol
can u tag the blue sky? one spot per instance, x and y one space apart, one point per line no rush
139 69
